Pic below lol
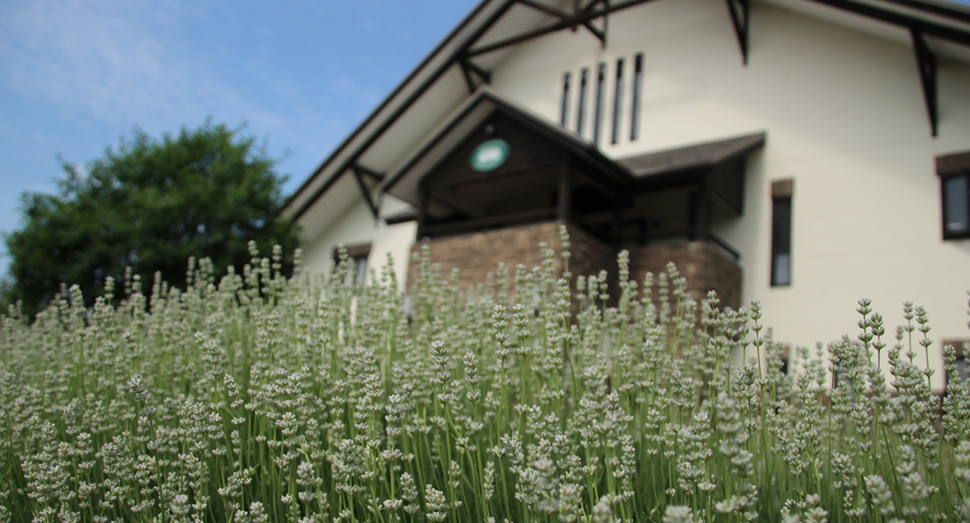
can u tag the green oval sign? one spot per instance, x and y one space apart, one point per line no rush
490 155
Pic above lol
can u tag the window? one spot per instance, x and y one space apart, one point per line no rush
600 84
358 254
963 370
954 173
617 100
781 198
565 99
581 115
635 106
956 207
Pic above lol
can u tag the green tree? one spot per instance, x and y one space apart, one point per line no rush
150 205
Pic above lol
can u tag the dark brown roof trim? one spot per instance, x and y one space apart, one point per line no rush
407 215
903 20
938 8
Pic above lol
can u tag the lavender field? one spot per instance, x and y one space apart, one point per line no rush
253 397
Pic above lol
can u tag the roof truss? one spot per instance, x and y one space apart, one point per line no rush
740 15
582 16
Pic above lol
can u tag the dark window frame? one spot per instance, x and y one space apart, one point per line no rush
617 101
600 88
566 79
954 170
581 111
949 194
781 233
962 365
359 254
635 105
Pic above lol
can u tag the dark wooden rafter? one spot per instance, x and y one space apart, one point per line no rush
369 172
919 30
578 9
926 63
741 15
470 71
580 17
548 9
364 190
565 193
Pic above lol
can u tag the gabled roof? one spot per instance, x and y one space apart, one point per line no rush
461 63
403 182
701 156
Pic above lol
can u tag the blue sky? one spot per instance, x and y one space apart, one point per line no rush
76 75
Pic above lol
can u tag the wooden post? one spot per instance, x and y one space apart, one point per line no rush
422 213
565 193
701 214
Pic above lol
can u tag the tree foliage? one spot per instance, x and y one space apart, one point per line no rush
149 205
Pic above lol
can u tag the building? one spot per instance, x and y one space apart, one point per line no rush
807 153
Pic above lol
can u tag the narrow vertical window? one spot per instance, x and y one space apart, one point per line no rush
956 207
617 101
954 172
565 99
781 266
600 85
581 112
962 369
635 106
357 257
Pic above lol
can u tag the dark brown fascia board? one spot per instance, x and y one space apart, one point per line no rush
407 215
397 91
937 8
903 20
582 18
573 144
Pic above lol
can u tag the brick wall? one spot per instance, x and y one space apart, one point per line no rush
701 263
477 254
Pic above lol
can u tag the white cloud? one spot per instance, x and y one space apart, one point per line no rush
104 57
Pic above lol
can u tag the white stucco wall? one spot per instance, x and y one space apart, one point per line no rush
844 116
357 225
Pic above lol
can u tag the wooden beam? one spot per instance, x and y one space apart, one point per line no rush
365 192
369 172
574 20
740 15
482 73
422 214
469 70
467 74
616 227
926 62
700 220
548 9
565 193
926 27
